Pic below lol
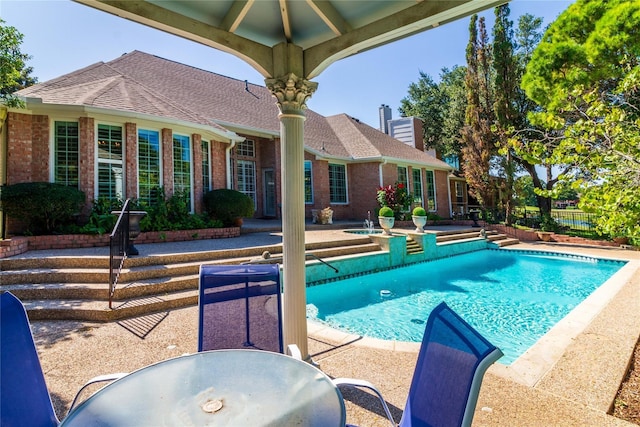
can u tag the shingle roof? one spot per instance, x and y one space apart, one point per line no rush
147 84
364 142
102 86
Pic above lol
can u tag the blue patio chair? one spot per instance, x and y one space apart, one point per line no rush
24 397
240 307
451 364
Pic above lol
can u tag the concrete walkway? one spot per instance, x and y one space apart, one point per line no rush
576 387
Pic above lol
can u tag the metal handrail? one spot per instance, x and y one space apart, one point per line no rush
322 261
270 260
118 245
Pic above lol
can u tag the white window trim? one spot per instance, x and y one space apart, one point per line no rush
312 188
173 172
97 161
346 184
160 148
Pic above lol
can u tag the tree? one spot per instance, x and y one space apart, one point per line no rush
14 74
426 101
477 137
452 84
506 87
585 75
524 193
441 108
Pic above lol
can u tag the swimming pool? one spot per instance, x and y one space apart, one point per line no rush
512 297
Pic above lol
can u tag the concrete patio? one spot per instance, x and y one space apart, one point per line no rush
572 385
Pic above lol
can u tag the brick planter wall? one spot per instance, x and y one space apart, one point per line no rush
19 245
531 236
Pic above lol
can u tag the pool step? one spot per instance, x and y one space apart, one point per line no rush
413 247
497 239
76 288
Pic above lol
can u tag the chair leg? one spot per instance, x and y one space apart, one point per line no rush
94 380
294 351
353 382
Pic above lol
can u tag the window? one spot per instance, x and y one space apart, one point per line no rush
337 183
66 153
431 191
403 177
206 167
459 192
182 166
308 182
247 178
417 185
110 174
148 166
246 148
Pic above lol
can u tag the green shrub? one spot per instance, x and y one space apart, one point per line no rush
419 211
386 211
228 205
44 207
101 220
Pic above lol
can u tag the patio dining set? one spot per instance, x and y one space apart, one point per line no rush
242 373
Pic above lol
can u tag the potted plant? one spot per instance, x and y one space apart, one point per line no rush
419 217
386 219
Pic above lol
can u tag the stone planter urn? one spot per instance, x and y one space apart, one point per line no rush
134 228
419 221
386 223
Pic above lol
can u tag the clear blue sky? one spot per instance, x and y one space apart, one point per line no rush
63 36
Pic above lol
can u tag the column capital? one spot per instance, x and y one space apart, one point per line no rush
292 92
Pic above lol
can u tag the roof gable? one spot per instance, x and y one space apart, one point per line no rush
364 142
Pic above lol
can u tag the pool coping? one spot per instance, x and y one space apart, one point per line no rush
546 355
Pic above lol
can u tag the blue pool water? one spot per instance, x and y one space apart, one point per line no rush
512 297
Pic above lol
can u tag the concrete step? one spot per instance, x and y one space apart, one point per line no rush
442 238
100 291
506 242
58 288
99 311
412 246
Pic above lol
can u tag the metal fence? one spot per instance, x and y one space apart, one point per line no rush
567 219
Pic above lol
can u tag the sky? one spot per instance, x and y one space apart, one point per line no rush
63 36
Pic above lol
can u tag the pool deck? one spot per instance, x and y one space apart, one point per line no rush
569 379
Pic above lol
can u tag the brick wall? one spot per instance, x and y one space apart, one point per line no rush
40 144
218 164
20 152
363 187
87 156
131 167
442 194
167 161
19 245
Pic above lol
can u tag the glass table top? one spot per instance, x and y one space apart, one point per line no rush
221 388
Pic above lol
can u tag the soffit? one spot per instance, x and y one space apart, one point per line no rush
261 32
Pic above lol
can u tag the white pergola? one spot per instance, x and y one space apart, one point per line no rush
290 42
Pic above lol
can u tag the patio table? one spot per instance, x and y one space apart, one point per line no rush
222 388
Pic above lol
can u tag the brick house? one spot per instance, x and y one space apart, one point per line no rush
126 127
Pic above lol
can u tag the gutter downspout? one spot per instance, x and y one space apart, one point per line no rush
384 162
449 193
227 159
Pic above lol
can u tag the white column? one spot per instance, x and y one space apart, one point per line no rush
292 93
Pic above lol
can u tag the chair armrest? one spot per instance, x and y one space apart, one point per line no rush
358 383
294 351
98 379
